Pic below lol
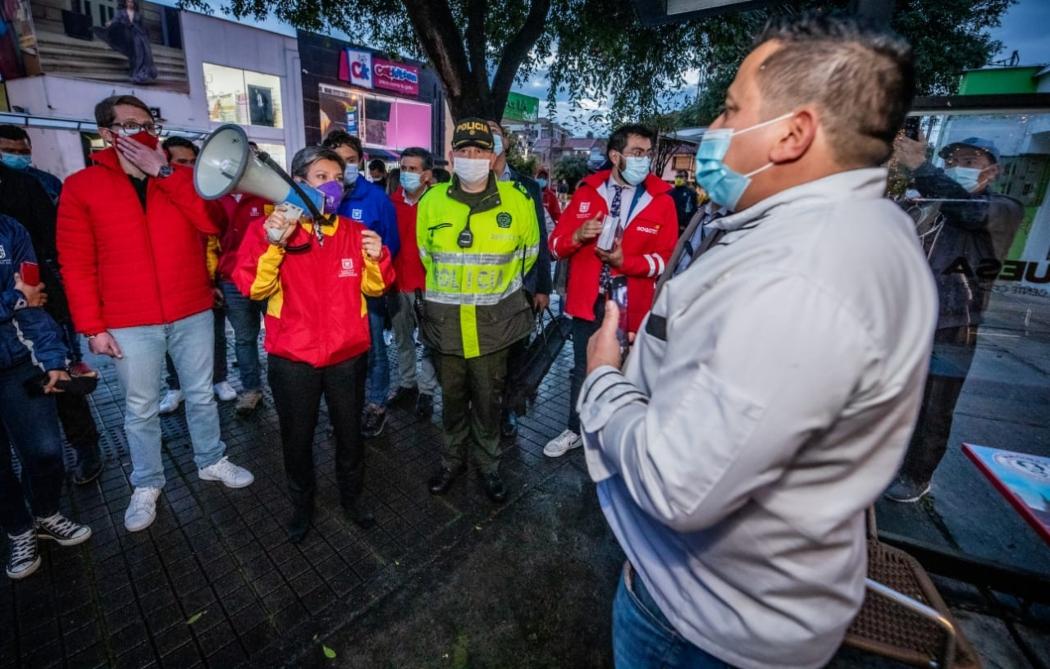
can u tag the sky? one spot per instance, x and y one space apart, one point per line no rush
1024 28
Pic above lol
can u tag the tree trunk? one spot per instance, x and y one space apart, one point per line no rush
459 60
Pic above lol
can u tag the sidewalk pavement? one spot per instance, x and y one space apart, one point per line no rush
451 581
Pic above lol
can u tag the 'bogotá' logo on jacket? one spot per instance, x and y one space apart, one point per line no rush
347 268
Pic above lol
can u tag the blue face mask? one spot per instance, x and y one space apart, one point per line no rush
15 161
724 185
636 169
410 181
967 177
350 173
497 144
542 183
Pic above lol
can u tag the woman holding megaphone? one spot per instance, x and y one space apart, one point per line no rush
313 274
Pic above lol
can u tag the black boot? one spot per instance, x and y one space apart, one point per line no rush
494 487
302 517
425 406
440 483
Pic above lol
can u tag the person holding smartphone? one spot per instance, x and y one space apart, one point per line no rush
315 276
31 344
621 225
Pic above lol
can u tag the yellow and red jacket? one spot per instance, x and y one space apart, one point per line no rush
315 312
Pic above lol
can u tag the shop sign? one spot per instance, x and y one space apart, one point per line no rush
356 67
396 77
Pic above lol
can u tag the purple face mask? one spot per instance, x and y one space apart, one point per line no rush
333 195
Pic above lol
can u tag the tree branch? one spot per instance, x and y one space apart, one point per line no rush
515 51
440 38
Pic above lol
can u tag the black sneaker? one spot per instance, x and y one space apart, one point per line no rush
425 406
62 530
907 491
23 557
88 467
374 421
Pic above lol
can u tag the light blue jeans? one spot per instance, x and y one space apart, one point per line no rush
378 385
190 343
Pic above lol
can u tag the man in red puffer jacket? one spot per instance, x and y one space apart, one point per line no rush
646 227
129 244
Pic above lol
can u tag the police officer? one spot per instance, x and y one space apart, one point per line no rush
478 238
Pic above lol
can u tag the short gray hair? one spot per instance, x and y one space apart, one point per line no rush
306 157
861 78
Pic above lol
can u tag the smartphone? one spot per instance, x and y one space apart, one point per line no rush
30 272
911 127
607 238
618 294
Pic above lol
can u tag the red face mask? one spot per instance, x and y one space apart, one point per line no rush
142 137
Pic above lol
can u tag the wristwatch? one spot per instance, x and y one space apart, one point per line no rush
164 171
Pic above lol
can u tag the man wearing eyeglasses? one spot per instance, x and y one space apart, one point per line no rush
130 249
620 226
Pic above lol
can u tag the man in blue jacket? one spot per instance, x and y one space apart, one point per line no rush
31 345
368 204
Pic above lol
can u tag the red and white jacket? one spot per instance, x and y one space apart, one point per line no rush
648 240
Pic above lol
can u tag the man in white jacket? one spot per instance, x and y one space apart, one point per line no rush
770 394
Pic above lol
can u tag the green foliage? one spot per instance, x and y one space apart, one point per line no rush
571 168
598 53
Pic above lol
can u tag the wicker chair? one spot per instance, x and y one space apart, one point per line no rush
903 616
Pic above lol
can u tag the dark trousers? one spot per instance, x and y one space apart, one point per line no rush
74 412
219 366
471 396
297 390
30 424
582 331
953 350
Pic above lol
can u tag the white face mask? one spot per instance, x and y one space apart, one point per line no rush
967 177
471 170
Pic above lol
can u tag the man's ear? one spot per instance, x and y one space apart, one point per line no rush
797 137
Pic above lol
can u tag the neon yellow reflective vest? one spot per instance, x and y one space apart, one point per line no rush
475 303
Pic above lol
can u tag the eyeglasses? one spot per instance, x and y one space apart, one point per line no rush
130 128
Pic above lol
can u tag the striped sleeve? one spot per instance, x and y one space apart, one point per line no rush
258 265
378 275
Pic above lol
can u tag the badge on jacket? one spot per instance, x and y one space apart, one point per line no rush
347 268
503 220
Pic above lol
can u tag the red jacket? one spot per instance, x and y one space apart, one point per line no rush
123 266
410 273
648 241
240 216
314 311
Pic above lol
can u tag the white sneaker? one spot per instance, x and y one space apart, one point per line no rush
171 401
562 444
225 392
230 474
142 509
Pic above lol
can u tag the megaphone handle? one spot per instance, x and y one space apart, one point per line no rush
314 212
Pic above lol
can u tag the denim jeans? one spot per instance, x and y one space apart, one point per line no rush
404 323
643 637
30 425
190 341
378 386
245 315
218 361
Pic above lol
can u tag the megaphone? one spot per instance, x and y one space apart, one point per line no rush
227 164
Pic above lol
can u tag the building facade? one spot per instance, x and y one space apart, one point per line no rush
391 105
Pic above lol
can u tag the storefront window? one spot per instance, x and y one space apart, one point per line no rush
380 121
276 152
242 96
976 186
